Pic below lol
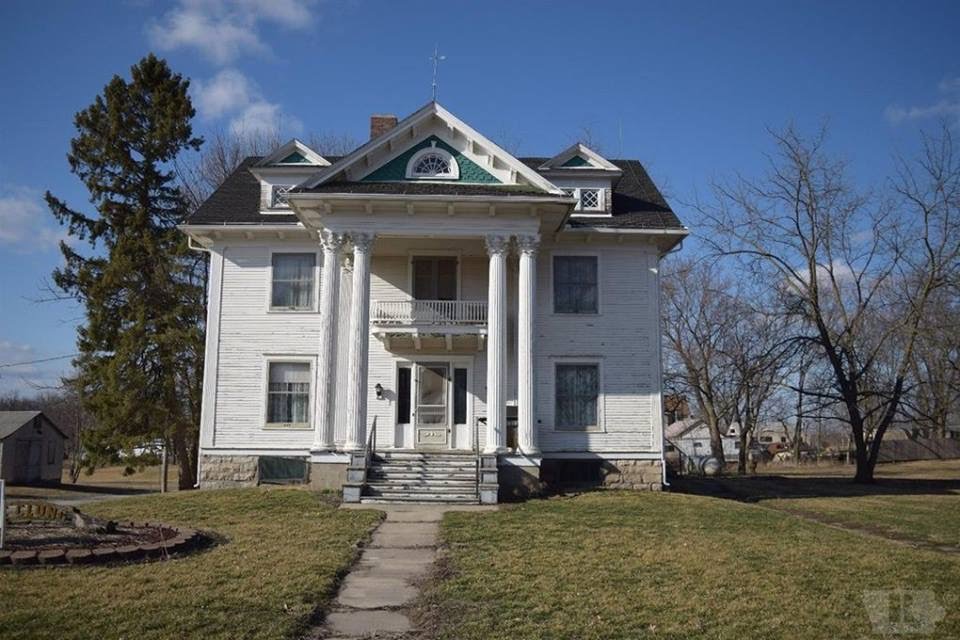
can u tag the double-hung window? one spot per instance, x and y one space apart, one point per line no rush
293 281
577 391
288 394
575 285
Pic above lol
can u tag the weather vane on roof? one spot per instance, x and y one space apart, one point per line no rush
437 59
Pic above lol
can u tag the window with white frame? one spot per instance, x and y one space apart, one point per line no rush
288 394
589 199
433 163
292 282
278 195
575 284
577 392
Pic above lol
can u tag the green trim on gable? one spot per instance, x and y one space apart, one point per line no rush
576 161
295 158
396 169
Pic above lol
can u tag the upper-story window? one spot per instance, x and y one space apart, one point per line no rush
589 199
292 281
433 163
434 278
278 195
575 284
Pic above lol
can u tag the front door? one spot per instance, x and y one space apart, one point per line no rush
432 407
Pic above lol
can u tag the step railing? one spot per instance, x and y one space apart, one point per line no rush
428 312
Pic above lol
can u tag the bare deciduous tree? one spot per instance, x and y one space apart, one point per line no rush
856 271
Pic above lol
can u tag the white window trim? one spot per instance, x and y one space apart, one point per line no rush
601 397
600 211
273 195
314 308
434 253
269 359
583 254
433 149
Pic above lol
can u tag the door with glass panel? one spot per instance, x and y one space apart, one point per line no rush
432 411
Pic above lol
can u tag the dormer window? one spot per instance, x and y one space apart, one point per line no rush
433 163
589 200
278 196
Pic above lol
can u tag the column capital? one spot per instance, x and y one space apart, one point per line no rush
497 244
528 244
362 240
332 241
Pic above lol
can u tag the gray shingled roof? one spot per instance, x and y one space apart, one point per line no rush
11 421
637 203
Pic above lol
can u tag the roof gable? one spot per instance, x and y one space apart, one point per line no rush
293 153
433 120
13 421
579 156
395 170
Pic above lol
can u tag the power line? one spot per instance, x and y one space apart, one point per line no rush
21 364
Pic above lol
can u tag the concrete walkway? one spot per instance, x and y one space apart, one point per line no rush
372 597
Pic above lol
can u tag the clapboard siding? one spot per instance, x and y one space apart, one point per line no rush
622 338
249 333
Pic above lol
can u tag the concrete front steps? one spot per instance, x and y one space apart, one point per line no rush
418 476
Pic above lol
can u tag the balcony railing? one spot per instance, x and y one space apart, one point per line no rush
428 312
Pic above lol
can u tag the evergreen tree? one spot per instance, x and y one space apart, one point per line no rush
140 366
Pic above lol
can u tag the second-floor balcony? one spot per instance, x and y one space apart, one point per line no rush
428 313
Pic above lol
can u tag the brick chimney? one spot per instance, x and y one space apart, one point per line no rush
381 123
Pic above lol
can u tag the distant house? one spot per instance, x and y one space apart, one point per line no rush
691 437
31 447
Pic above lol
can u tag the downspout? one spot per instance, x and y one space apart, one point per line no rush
198 248
663 439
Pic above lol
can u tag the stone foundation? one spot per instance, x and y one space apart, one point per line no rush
519 482
328 476
644 475
225 472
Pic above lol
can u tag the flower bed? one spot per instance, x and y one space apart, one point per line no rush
41 533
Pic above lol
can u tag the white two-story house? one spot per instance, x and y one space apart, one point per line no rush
430 317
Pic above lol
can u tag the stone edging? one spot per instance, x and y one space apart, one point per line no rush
178 541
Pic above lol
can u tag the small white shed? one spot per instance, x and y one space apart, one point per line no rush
31 448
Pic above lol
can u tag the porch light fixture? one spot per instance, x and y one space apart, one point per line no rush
379 390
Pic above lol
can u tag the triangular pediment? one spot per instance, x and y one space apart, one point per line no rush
437 136
578 156
293 154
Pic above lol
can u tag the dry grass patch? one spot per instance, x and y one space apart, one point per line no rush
285 550
626 565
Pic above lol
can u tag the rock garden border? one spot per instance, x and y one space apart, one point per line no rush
173 540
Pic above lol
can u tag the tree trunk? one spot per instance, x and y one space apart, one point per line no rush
185 449
742 458
164 468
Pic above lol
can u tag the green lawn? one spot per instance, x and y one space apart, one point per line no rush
285 549
928 518
633 565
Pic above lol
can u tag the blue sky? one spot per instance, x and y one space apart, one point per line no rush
691 85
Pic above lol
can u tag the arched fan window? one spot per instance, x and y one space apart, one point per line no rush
433 163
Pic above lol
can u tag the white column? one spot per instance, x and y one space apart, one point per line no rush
527 294
332 243
359 342
497 344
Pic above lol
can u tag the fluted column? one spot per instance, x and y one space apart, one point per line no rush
496 344
527 294
332 244
359 342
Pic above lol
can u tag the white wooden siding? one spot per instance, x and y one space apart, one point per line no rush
622 338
